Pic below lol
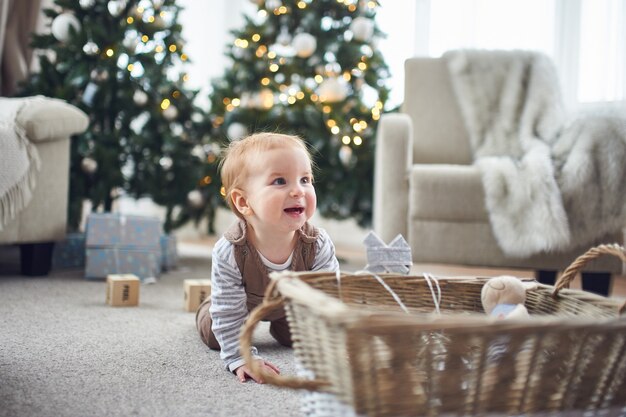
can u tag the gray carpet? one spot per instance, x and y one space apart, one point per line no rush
64 352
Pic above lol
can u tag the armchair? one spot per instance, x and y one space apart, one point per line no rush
427 188
48 124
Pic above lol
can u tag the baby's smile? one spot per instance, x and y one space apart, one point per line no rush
294 210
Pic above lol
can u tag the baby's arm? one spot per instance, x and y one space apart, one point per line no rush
228 305
229 311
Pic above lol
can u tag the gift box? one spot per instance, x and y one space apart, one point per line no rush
126 231
122 244
105 261
122 290
70 252
169 252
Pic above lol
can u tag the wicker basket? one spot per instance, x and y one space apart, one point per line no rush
353 336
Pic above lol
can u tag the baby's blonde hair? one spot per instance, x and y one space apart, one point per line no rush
234 168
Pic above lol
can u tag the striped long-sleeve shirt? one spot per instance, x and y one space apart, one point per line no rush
228 297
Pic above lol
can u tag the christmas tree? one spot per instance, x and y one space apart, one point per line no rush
309 68
121 61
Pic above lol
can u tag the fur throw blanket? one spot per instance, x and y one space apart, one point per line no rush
19 163
551 179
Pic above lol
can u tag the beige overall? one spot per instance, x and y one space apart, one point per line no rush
255 280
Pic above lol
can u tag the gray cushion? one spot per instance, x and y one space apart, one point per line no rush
446 193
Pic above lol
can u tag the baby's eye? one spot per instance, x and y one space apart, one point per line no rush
279 181
306 180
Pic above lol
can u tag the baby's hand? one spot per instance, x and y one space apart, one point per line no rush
243 372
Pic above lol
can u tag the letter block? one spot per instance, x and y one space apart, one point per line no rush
196 290
122 290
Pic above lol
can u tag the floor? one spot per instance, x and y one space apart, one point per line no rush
351 258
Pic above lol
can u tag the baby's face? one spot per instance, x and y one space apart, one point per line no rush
280 190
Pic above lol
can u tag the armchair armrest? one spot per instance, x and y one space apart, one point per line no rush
394 156
44 118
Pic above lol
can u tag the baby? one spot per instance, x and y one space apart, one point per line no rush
268 181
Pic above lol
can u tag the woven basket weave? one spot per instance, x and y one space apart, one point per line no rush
352 335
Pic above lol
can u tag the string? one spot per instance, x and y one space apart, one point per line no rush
387 287
338 277
436 299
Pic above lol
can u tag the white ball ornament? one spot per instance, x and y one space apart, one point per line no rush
170 113
283 38
140 97
130 42
89 165
99 74
362 28
332 90
90 48
273 4
116 192
236 131
115 7
87 4
345 155
304 44
238 53
195 199
166 162
198 152
61 26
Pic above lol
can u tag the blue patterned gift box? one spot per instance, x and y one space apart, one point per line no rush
127 231
169 251
106 261
123 244
70 252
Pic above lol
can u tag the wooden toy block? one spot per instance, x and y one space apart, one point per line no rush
196 290
122 290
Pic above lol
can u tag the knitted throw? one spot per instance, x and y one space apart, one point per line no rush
552 179
19 163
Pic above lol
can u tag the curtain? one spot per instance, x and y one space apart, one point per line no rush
18 19
585 38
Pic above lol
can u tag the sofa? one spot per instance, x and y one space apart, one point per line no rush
38 216
427 188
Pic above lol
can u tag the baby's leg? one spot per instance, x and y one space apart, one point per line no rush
279 329
203 324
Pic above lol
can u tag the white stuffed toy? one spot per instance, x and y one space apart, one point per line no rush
503 297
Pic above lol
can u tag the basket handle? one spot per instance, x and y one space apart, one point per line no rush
271 302
570 272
